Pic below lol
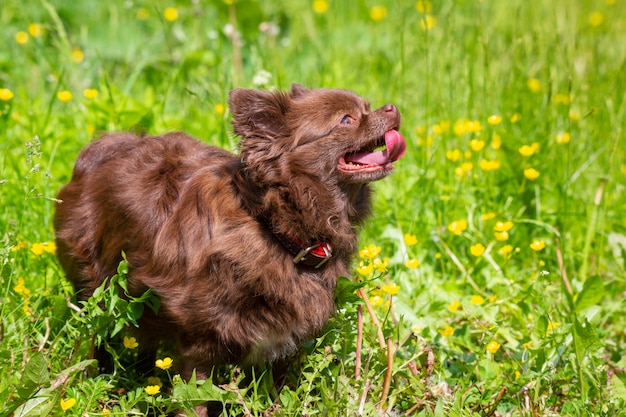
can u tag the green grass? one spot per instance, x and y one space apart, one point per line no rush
492 330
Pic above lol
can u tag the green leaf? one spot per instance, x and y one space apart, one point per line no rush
617 388
134 312
35 374
591 295
38 406
197 392
542 326
345 292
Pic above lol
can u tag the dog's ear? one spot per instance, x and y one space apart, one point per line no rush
298 90
258 113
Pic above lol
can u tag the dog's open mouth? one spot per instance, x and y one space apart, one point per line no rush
371 159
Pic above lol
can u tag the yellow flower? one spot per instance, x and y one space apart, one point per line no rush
428 142
516 117
501 236
477 300
496 141
468 126
428 22
528 150
441 127
487 165
170 14
152 389
518 374
90 93
537 245
553 325
423 6
454 306
165 363
21 289
64 96
562 137
460 127
21 37
531 174
453 155
391 289
458 227
574 115
19 246
527 345
477 249
476 144
370 252
412 263
377 300
465 168
41 247
365 269
320 6
35 30
67 404
488 216
447 331
378 13
409 239
142 13
474 126
503 226
6 94
493 346
534 85
155 380
505 250
494 119
77 55
380 265
130 342
493 298
562 98
596 19
219 108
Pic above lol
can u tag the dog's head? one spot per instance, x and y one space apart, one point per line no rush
328 133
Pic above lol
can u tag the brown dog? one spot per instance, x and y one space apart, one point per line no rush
243 250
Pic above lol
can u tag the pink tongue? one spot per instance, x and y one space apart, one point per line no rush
396 146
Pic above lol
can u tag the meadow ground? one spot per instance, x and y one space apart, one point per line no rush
492 274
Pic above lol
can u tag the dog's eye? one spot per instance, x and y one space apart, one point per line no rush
347 120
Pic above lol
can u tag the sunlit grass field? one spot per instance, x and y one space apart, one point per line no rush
491 277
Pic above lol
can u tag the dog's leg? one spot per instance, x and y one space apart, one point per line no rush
146 359
105 360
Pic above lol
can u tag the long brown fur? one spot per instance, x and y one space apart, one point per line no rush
199 224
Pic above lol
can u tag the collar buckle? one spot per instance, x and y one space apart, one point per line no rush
318 251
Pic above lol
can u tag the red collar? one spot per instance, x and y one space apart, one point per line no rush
316 254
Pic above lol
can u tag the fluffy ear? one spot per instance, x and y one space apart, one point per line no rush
258 113
298 90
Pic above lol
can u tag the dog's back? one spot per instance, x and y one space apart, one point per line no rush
123 189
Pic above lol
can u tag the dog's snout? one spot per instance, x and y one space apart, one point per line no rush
391 113
390 108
